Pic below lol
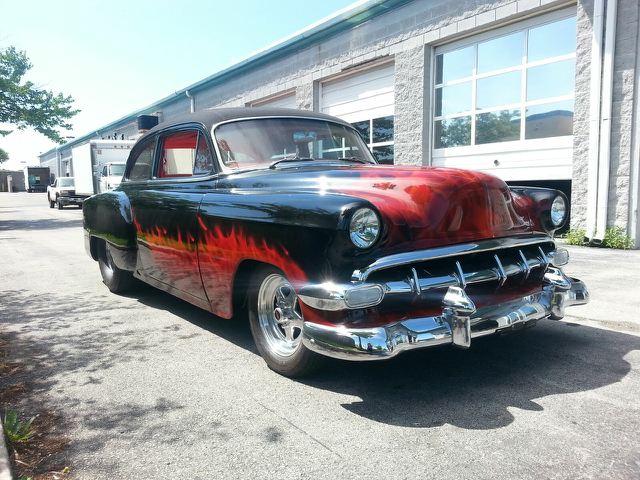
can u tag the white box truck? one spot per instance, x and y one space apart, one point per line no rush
90 159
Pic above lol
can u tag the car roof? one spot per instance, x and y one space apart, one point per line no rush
213 116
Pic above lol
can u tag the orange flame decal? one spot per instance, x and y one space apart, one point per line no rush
212 261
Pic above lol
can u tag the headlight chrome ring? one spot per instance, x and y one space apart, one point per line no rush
364 228
558 211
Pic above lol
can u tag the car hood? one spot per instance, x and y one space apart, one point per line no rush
427 206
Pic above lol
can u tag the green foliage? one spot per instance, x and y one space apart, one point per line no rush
16 430
25 105
576 236
4 156
615 237
498 126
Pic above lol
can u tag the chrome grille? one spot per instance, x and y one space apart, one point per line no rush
495 267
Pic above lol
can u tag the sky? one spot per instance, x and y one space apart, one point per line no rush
119 56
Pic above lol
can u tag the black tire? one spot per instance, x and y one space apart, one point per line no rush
300 361
116 280
51 204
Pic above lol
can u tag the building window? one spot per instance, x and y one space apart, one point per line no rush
515 87
378 135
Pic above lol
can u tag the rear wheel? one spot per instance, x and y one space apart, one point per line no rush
51 202
276 324
116 280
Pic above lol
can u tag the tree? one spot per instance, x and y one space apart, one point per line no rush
4 156
25 105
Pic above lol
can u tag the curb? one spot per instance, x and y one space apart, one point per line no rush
5 467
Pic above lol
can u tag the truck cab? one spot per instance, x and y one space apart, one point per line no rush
62 192
110 176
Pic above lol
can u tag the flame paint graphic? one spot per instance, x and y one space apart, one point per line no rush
212 261
222 252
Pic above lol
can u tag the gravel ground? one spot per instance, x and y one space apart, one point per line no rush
152 387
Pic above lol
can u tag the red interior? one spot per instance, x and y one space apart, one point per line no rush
185 140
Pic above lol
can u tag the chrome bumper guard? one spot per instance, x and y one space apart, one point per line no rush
459 322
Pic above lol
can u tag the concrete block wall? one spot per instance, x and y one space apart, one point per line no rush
624 96
624 92
581 114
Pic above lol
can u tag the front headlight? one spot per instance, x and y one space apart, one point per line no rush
364 228
558 211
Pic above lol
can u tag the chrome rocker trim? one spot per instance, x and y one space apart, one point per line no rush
459 322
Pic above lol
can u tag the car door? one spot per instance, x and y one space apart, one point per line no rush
165 207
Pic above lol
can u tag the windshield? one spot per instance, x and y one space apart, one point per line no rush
258 143
117 170
66 182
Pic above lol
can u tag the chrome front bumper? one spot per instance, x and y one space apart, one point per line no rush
459 322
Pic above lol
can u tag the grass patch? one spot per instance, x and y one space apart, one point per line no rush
16 430
576 236
615 237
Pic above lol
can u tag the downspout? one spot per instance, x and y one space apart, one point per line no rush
602 64
634 184
605 120
191 100
595 87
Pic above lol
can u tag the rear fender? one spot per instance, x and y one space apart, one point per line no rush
107 216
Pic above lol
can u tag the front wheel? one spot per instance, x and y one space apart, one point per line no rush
116 280
276 324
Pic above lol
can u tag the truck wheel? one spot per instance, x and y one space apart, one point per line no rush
116 280
276 324
59 204
51 203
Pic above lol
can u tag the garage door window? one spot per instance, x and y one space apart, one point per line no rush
514 87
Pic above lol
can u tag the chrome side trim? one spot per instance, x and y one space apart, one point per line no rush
408 258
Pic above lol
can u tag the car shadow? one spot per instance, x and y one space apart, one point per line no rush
473 389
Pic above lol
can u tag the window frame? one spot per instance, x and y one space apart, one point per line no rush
156 139
558 142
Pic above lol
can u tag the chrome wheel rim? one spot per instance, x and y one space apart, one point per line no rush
279 315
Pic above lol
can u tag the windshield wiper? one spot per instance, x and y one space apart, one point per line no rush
290 159
353 159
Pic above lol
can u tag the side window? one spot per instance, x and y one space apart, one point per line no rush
204 160
141 168
184 154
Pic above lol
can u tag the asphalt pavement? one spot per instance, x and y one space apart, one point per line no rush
151 387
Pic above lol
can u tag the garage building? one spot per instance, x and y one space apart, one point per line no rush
536 92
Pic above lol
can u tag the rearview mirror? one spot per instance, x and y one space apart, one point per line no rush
304 137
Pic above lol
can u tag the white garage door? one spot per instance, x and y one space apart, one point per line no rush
283 101
366 100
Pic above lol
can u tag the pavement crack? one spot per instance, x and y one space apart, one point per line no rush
301 430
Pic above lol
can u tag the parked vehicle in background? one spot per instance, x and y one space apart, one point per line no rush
36 179
286 214
111 176
62 192
89 160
